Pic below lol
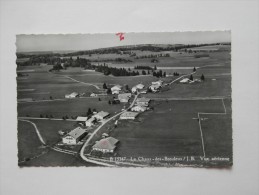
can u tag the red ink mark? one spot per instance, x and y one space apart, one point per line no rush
121 35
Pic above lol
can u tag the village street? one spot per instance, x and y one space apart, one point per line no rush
92 135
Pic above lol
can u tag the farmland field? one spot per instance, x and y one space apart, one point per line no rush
58 109
172 129
31 149
28 142
56 159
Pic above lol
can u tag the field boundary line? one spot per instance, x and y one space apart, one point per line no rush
51 119
200 113
191 98
202 140
32 158
82 82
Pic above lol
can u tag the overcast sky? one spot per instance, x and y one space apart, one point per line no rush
59 42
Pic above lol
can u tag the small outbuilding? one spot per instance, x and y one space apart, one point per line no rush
128 115
81 119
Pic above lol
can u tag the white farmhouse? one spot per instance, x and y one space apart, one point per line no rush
101 115
124 97
134 89
72 95
93 95
74 136
138 108
137 87
185 80
140 86
116 89
157 83
155 87
90 122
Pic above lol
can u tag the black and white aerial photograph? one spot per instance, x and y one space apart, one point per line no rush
124 99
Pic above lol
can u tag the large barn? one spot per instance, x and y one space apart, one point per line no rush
106 145
74 136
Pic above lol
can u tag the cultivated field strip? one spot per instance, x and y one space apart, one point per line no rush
199 118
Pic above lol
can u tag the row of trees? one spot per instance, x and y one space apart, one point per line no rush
153 56
115 71
159 74
143 67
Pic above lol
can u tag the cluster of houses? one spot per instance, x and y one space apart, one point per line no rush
74 136
89 121
141 105
155 86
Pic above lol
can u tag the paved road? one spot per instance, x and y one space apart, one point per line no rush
96 130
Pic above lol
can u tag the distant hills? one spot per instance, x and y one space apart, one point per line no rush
149 47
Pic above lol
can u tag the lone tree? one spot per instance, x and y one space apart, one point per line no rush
127 87
202 77
191 77
89 112
99 99
194 69
109 102
105 86
50 97
155 68
41 116
109 91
